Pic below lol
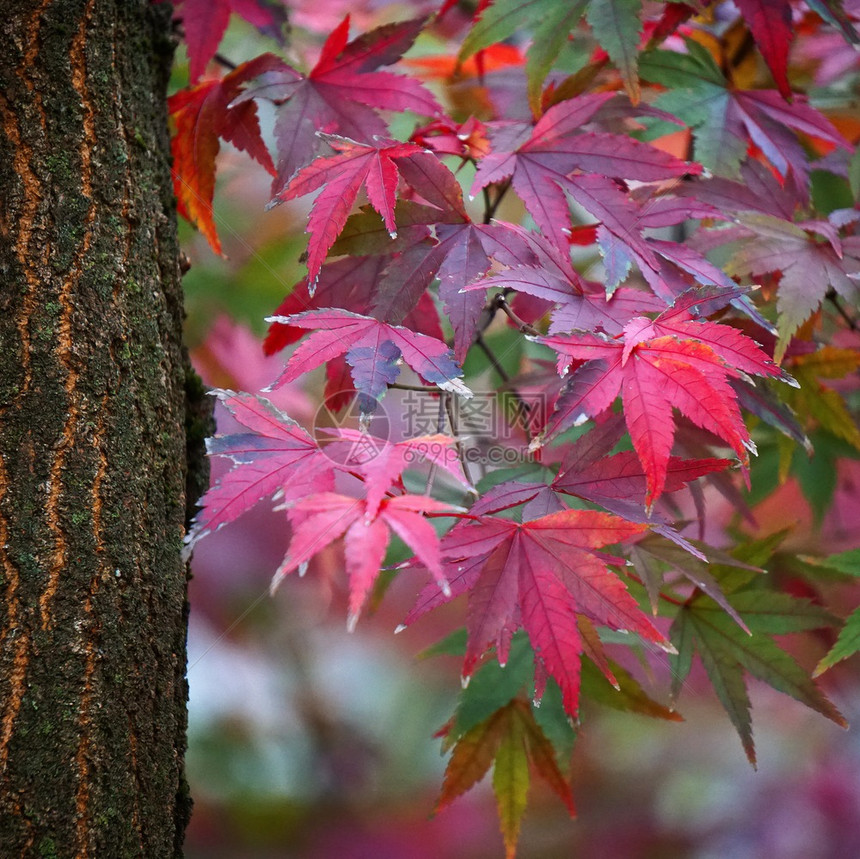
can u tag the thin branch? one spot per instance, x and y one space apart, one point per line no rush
440 428
423 389
522 407
223 61
455 431
490 208
833 298
488 205
491 357
524 327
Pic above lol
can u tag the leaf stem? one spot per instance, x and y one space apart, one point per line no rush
223 61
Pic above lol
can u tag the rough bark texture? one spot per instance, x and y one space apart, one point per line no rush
92 438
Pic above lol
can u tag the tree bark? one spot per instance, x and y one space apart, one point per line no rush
92 438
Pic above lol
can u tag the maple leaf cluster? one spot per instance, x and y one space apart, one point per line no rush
640 248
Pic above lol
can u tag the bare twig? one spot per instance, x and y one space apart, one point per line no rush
440 428
455 432
491 357
833 298
523 410
491 207
423 389
524 327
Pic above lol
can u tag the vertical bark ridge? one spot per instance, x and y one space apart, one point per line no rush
65 343
32 195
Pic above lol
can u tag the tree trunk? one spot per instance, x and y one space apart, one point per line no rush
92 436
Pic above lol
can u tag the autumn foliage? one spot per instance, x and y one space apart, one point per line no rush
630 233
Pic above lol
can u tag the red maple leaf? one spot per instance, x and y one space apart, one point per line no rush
381 463
578 303
758 191
320 519
770 22
557 157
540 575
590 471
372 348
204 23
201 116
467 139
374 166
350 283
274 455
461 252
621 477
621 237
339 94
670 362
765 116
469 250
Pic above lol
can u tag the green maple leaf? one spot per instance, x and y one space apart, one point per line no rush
728 653
617 26
554 21
627 696
725 119
697 94
846 645
848 642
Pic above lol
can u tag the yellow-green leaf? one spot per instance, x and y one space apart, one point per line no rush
543 755
472 756
511 781
846 645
